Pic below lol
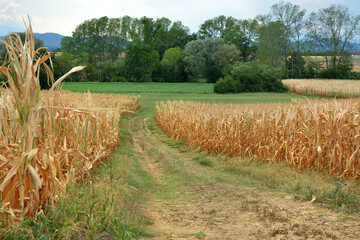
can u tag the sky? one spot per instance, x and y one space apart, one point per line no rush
63 16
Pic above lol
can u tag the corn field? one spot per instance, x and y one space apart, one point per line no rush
48 138
324 88
306 135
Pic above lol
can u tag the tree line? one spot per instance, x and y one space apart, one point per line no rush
279 43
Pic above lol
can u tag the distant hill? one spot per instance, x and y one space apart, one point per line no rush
51 40
356 47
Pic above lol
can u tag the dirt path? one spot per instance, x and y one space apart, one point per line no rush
225 210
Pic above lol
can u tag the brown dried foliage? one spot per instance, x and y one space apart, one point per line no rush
48 138
308 135
338 88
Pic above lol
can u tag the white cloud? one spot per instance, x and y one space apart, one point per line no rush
8 11
63 16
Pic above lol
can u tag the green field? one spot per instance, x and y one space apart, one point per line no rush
129 87
154 92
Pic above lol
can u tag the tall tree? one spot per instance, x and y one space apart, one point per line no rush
195 59
173 69
270 42
208 58
334 29
179 35
243 36
216 27
298 28
291 17
239 32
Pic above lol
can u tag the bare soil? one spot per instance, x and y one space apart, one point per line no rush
218 210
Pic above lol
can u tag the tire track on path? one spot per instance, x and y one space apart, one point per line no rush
223 210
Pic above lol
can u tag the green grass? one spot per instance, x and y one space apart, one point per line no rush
200 235
108 206
155 92
128 87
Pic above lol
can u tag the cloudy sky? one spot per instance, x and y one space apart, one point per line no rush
64 15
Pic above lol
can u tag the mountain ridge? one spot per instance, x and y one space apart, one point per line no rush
51 40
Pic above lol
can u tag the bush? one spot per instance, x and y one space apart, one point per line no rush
258 77
228 85
251 77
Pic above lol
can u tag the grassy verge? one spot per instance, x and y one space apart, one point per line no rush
109 206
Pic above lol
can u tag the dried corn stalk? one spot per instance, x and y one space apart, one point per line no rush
338 88
48 138
320 135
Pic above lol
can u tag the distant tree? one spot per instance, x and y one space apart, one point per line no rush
99 38
68 45
115 42
161 28
243 36
62 63
172 64
334 29
195 59
114 71
179 35
108 39
141 62
216 27
213 70
241 33
226 56
295 62
208 58
270 41
298 35
291 18
256 77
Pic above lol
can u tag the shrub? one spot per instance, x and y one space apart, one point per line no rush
251 77
258 77
228 85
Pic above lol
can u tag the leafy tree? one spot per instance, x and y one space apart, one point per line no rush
99 38
108 39
62 63
296 61
209 58
228 85
298 35
270 40
280 35
217 27
333 29
141 58
114 71
243 36
251 77
173 68
195 59
241 33
226 55
179 35
212 48
291 18
141 62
